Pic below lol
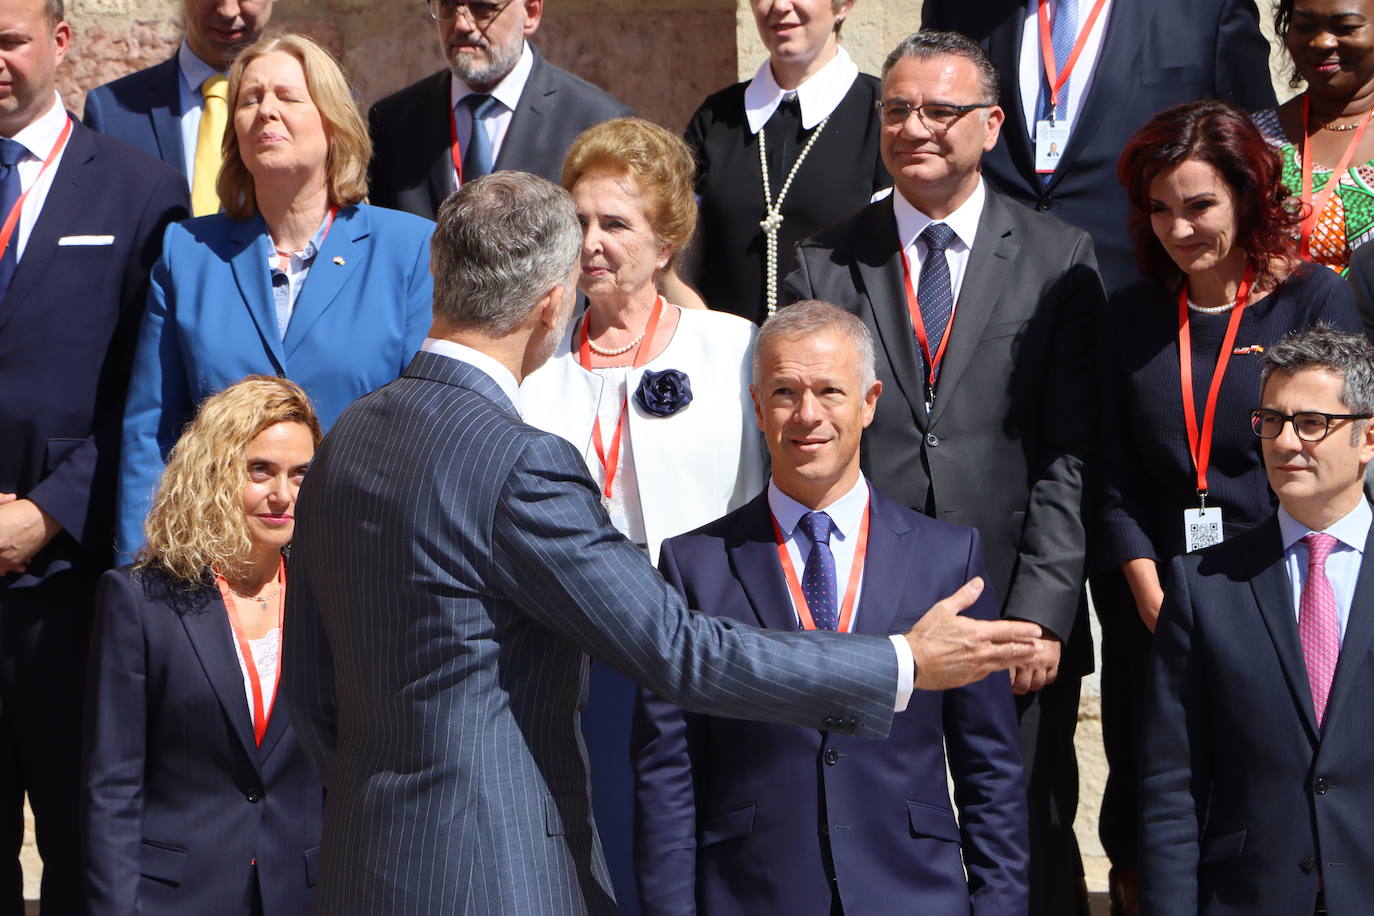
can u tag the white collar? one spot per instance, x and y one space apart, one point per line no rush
846 512
40 135
503 377
819 94
964 221
193 70
508 91
1351 530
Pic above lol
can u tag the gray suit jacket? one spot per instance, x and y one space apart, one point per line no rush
452 568
412 160
1003 449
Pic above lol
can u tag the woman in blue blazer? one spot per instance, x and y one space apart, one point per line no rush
197 798
297 277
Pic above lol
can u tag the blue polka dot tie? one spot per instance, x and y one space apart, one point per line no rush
818 579
933 290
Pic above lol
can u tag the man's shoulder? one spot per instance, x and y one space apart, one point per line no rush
591 100
418 95
134 91
1042 230
1238 559
117 160
854 229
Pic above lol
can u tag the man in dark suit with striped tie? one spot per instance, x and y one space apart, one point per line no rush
1259 735
453 567
727 810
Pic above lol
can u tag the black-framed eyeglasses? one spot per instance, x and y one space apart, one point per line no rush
480 12
934 115
1310 425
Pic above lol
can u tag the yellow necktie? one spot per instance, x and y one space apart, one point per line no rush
213 119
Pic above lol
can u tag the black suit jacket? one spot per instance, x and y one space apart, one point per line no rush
67 325
1155 53
1242 794
727 809
412 162
1003 449
178 797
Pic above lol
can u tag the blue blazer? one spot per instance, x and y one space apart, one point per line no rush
726 810
360 317
452 568
67 327
144 110
178 798
1242 795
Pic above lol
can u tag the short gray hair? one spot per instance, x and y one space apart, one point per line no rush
812 316
1324 347
929 44
502 241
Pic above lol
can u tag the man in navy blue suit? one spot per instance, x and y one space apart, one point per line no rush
1258 742
726 810
73 279
158 109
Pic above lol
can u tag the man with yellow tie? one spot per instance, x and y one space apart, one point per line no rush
176 110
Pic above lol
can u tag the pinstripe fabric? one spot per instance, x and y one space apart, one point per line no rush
452 568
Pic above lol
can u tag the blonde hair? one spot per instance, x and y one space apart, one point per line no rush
197 520
350 148
660 163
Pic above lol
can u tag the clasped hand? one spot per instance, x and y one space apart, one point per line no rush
952 650
24 530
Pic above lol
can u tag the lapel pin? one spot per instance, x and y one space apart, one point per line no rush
1243 351
338 259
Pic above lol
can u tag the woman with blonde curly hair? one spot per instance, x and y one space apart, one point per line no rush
298 277
197 798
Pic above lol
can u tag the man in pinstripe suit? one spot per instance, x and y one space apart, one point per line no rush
453 568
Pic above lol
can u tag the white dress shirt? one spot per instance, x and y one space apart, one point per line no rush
1342 565
503 377
818 95
194 72
964 221
38 137
847 514
496 124
1032 69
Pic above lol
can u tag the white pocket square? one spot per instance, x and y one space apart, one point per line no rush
86 240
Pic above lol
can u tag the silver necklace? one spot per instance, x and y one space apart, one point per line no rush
772 214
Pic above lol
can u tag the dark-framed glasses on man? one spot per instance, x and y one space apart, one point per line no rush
1310 425
480 12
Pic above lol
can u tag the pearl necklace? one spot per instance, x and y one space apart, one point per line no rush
619 350
772 214
1211 309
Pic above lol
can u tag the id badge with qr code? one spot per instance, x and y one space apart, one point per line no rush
1201 528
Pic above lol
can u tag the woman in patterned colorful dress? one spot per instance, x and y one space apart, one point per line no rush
1331 43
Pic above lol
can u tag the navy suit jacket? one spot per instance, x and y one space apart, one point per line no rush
67 326
726 811
360 316
144 110
178 797
1155 53
412 159
1243 796
452 569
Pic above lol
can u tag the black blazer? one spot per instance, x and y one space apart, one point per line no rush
67 327
412 164
178 799
1241 792
1003 450
1155 53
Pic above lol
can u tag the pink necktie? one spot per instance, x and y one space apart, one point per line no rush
1317 624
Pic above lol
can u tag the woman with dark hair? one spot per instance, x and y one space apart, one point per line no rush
1180 361
1328 154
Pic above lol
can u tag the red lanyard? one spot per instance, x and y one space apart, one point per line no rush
1057 80
1311 209
919 325
851 590
261 712
454 149
12 220
610 463
1200 444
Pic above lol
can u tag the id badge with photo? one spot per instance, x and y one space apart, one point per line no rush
1050 139
1201 528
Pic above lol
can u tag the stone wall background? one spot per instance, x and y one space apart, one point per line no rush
662 57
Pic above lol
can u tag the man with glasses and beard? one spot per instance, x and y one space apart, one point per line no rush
499 105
